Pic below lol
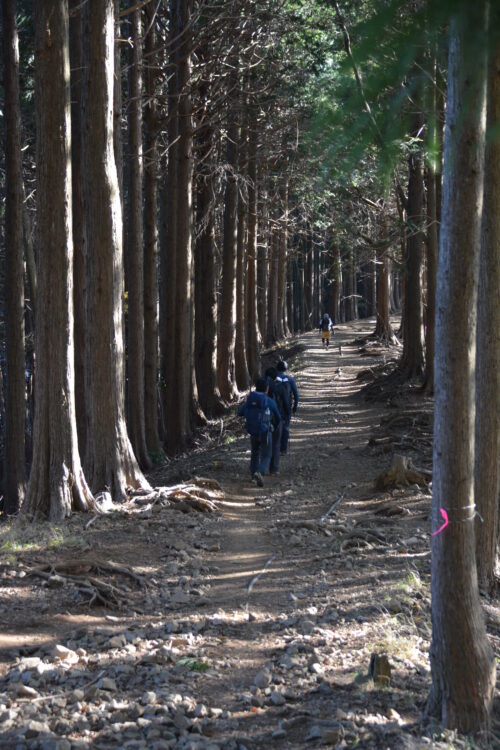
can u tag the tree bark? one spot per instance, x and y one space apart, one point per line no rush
110 461
289 315
432 263
262 262
463 668
117 104
181 376
15 469
316 314
135 251
336 283
226 339
57 484
282 259
252 322
242 375
308 281
412 363
79 229
151 243
432 238
487 458
168 237
272 289
383 328
205 315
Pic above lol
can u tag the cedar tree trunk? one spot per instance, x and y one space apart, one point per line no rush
110 460
57 484
135 251
463 667
151 244
15 470
487 459
252 330
79 229
226 339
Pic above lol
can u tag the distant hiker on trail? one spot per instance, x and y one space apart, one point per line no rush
279 393
325 327
260 411
293 397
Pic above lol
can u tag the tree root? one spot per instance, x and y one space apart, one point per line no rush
362 538
198 494
98 591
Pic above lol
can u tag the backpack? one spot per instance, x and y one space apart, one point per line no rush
278 392
287 387
325 324
258 415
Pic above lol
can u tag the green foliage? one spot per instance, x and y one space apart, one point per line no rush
156 457
20 539
193 664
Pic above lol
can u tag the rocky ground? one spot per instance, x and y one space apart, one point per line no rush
250 626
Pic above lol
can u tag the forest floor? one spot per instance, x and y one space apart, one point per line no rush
252 626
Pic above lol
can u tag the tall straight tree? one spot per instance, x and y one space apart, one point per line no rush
15 471
205 319
135 250
412 362
168 234
110 460
272 290
181 376
226 339
282 329
262 248
79 228
57 484
241 373
432 244
463 667
487 459
151 239
252 323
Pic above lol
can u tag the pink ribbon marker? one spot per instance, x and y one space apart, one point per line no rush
445 524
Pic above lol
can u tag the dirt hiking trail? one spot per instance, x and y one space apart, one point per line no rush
250 627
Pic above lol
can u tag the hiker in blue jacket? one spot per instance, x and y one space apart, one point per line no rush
291 386
279 393
260 411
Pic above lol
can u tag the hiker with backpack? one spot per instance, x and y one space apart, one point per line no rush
260 411
293 399
325 327
279 393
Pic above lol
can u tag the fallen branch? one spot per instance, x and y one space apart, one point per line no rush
336 502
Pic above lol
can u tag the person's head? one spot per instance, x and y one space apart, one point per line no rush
282 366
272 373
261 385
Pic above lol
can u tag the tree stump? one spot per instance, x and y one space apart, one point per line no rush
402 473
380 669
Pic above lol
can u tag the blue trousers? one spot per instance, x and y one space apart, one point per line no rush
285 434
276 448
260 458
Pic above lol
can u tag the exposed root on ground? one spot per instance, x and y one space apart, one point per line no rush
198 494
410 430
87 579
